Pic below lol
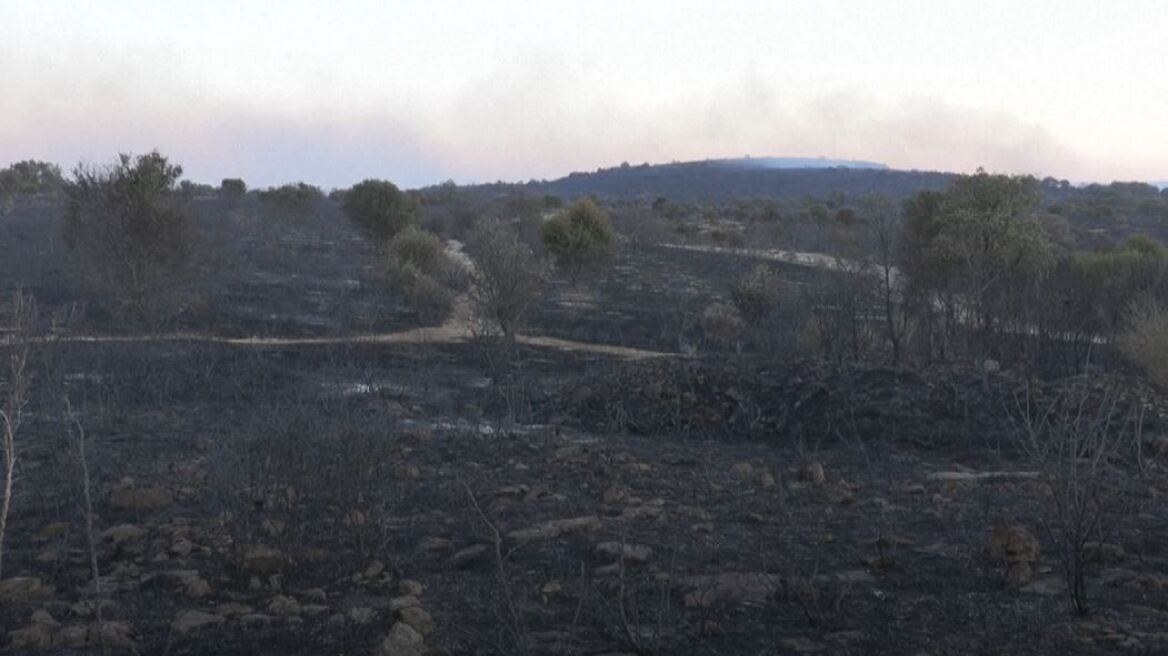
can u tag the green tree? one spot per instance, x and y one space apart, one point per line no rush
127 219
379 209
579 238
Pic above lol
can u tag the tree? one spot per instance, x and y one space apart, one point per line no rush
579 238
127 220
978 250
233 189
882 223
420 268
13 399
507 277
30 177
379 209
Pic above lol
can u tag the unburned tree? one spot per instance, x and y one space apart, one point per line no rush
379 209
128 222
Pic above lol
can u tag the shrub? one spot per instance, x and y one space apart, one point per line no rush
722 325
420 248
232 189
29 178
419 266
379 209
127 220
297 197
1144 340
581 237
756 294
506 279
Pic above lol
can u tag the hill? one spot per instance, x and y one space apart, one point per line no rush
719 180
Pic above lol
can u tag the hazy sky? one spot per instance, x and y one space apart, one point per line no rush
332 91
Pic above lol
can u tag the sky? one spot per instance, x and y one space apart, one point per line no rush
332 92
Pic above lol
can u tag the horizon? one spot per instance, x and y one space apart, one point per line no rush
419 93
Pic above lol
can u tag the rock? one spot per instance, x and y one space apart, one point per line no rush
469 556
373 570
194 620
434 545
261 559
651 510
33 636
758 474
111 634
282 605
190 583
417 618
88 608
410 587
53 531
617 494
801 645
314 610
361 616
812 472
405 601
703 591
403 640
122 534
630 553
1048 587
233 610
141 498
72 637
557 527
1103 552
24 588
182 547
840 493
256 619
42 616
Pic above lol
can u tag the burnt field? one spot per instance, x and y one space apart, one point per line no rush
297 500
296 461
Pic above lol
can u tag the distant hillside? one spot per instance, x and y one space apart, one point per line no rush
797 163
786 178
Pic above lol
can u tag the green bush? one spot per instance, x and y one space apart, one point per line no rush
379 209
580 237
127 220
1144 340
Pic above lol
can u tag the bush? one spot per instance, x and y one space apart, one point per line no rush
722 325
298 197
581 237
232 189
419 266
506 279
756 295
420 248
1144 340
379 209
29 178
127 220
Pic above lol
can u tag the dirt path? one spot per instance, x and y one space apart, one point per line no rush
457 329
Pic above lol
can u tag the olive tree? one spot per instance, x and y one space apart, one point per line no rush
127 221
